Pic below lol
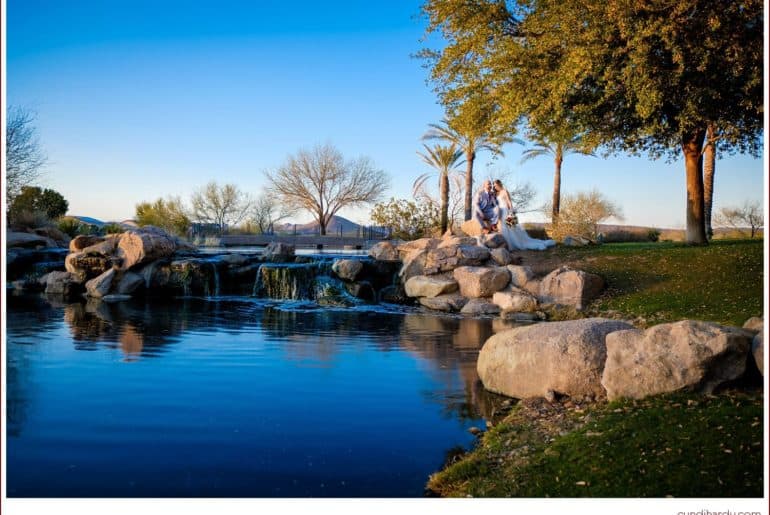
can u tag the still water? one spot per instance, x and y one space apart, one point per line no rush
235 397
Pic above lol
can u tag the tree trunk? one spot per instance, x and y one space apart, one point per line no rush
556 199
444 189
692 144
709 167
469 158
322 221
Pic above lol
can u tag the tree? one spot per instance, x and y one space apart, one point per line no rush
749 214
169 214
639 77
24 156
267 211
709 169
32 199
443 160
220 205
406 220
557 148
470 136
322 182
582 213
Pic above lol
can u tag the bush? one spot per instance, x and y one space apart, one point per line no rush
580 215
33 199
112 229
168 214
28 219
407 220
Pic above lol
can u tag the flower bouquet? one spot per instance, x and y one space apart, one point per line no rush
512 220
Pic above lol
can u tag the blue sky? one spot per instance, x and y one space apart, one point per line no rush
138 100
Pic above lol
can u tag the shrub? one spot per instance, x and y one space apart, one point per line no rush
580 215
112 229
33 199
27 219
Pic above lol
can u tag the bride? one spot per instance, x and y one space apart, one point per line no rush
515 235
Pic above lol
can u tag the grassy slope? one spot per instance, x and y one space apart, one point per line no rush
678 445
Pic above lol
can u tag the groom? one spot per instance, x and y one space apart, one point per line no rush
485 207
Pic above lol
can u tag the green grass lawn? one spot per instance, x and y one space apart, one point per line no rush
682 445
665 282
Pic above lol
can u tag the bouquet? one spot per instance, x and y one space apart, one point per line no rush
512 220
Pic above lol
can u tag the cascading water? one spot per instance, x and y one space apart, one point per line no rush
301 281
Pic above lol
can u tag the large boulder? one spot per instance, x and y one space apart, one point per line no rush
689 354
129 283
414 264
446 259
456 241
492 240
384 251
501 256
87 266
27 240
515 300
141 246
472 228
54 234
417 245
480 307
347 269
755 324
65 284
107 247
563 357
569 287
520 275
424 286
478 281
278 252
83 241
758 351
451 302
100 286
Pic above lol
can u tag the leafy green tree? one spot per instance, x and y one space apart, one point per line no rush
556 148
32 199
406 219
639 77
169 214
444 160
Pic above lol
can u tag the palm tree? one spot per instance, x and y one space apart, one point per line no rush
444 161
558 148
469 142
709 168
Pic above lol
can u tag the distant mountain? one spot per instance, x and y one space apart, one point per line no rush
335 225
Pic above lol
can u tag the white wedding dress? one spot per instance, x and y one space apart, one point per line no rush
517 238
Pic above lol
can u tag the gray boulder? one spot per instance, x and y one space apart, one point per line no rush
520 275
425 286
446 259
129 283
564 357
143 245
477 281
514 299
451 302
501 256
277 252
689 354
27 240
414 264
100 286
492 240
384 251
417 245
62 283
565 286
347 269
480 307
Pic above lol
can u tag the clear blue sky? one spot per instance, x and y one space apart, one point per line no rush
138 100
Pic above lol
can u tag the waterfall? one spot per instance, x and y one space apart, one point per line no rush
301 281
215 275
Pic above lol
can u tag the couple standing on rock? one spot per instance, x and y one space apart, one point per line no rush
493 210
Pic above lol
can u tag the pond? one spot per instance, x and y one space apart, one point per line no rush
235 397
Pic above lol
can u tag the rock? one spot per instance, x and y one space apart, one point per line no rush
62 283
492 240
476 281
141 246
475 431
689 354
84 240
532 287
471 228
277 252
755 324
27 240
361 290
451 302
570 287
100 286
480 307
424 286
61 239
576 241
384 251
446 259
106 247
520 275
758 351
85 266
550 396
566 357
516 300
513 316
394 294
129 283
414 264
457 241
417 245
501 256
347 269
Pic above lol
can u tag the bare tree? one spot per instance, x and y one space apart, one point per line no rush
267 211
322 182
748 215
24 157
220 205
